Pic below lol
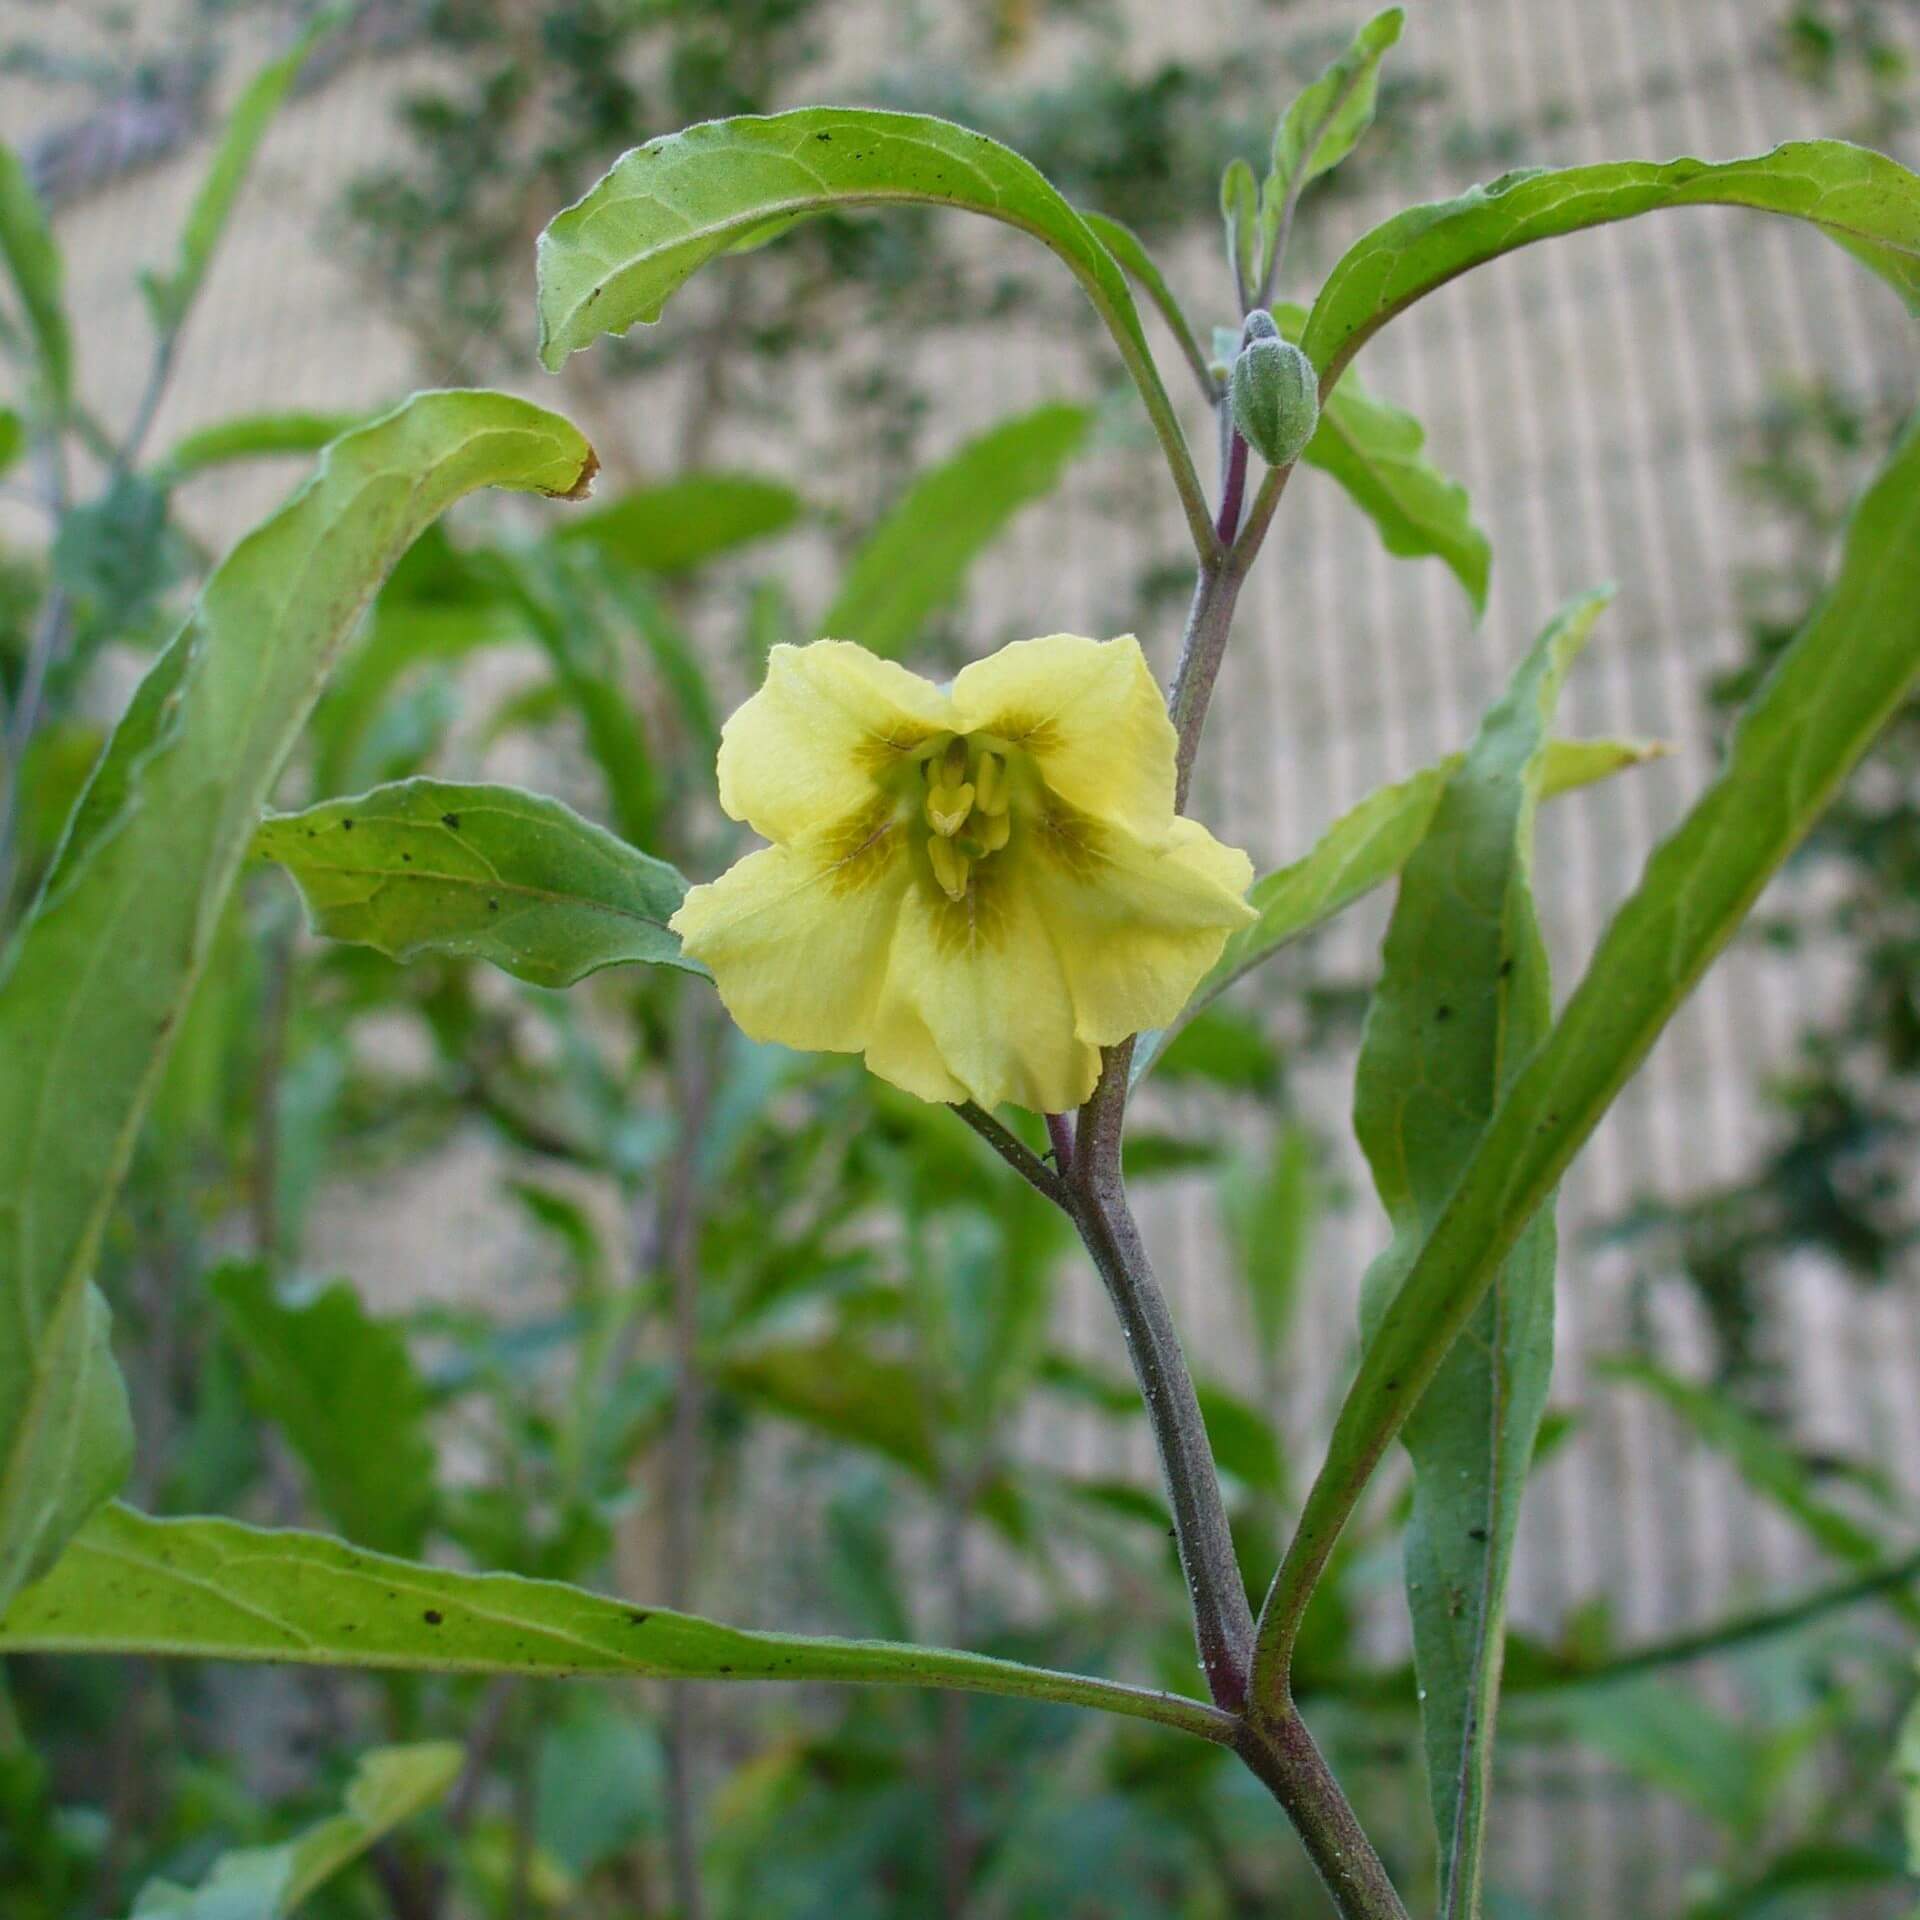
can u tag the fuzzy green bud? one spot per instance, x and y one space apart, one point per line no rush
1276 396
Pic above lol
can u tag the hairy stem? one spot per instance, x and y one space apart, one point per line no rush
1222 1619
1017 1154
1216 593
679 1254
1281 1753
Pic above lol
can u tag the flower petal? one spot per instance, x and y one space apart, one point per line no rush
976 990
1090 714
804 751
798 937
1136 925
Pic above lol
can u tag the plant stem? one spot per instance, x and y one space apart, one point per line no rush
1216 592
679 1255
1016 1153
1222 1619
1281 1753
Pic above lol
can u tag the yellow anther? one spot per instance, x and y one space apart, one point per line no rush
947 808
990 785
950 867
991 830
953 766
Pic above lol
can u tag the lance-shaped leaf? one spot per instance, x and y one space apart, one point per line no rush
1130 251
216 1590
1765 1461
13 437
94 985
1868 203
1463 999
1362 850
685 522
914 562
251 436
615 257
391 1784
488 873
1377 453
1326 120
33 263
1828 696
171 294
341 1386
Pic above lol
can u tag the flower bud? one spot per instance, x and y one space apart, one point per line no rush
1276 396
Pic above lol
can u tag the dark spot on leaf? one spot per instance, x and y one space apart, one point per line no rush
408 858
1476 1533
823 136
450 820
1393 1386
432 1617
638 1619
1443 1013
493 906
1506 966
726 1669
346 826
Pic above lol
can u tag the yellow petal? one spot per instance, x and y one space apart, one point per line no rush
1136 925
1091 716
798 937
804 752
976 994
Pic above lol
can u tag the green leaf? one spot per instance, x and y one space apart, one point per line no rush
342 1387
665 209
686 521
96 981
1240 210
251 436
1377 453
1868 203
216 1590
1325 122
1272 1208
1362 850
1764 1462
1464 998
1906 1769
13 437
171 295
1130 251
914 561
391 1784
1818 712
33 262
491 873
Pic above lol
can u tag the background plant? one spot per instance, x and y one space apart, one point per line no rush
536 588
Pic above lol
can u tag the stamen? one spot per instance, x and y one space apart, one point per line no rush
991 830
947 808
950 867
989 784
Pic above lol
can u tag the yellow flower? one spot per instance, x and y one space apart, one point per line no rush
977 885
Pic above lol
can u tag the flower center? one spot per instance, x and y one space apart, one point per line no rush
966 809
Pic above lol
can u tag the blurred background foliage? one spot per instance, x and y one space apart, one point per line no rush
764 1270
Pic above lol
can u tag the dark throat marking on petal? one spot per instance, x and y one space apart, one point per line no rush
879 751
979 920
861 847
1069 839
1028 732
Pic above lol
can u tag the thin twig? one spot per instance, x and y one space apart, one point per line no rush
679 1256
1222 1619
1016 1153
